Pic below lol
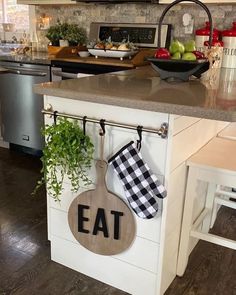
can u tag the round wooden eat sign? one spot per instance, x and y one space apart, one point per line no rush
100 220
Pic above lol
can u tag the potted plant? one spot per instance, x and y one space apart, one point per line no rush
54 34
64 31
67 152
75 35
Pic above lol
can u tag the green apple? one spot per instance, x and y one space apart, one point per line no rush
176 55
176 46
190 46
189 56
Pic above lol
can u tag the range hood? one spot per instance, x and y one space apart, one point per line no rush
117 1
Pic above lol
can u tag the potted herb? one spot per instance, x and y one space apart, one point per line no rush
68 152
54 34
75 35
64 31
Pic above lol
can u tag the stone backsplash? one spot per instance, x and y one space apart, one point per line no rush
84 14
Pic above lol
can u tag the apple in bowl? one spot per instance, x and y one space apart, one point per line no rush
180 51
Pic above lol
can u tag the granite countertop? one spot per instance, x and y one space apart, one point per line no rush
142 89
44 58
41 58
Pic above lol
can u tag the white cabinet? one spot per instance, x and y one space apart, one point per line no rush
149 265
138 265
39 2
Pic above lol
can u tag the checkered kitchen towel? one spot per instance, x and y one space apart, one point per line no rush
141 186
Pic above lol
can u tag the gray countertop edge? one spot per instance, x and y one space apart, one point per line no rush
175 109
26 60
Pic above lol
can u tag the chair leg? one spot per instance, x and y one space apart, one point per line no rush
187 221
209 204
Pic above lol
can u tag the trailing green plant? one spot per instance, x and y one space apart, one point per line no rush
65 31
67 152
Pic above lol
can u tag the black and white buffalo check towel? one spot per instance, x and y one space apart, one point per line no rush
141 186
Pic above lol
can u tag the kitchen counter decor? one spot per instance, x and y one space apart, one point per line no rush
8 49
112 53
108 48
65 52
141 186
72 33
68 153
175 68
64 31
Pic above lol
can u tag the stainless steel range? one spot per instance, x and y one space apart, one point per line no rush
142 35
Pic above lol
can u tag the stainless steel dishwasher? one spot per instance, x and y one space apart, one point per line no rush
21 107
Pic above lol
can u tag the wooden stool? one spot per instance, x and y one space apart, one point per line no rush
215 164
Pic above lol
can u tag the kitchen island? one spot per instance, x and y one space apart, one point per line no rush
195 112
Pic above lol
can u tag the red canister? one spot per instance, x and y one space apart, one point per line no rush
202 35
229 54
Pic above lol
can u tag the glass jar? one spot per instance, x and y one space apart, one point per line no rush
34 41
229 54
215 53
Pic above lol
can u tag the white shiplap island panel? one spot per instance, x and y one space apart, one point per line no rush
149 265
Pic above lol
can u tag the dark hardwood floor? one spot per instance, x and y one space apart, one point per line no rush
25 266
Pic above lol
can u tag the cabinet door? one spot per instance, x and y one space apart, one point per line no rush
38 2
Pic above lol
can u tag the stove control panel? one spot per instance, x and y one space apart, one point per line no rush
142 35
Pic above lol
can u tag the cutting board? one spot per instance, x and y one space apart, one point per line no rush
67 51
100 220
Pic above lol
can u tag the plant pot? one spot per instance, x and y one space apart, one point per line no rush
63 43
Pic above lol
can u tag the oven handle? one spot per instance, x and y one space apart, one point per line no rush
29 73
64 74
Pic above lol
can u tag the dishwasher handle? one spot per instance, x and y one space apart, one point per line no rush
26 73
64 74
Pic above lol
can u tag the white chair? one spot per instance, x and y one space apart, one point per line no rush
215 164
225 196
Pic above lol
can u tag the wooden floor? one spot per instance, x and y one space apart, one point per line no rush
25 266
